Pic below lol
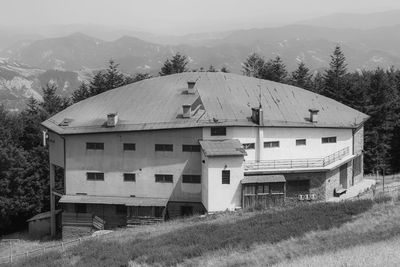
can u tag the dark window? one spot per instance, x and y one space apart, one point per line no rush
190 148
164 178
277 188
226 177
95 146
158 212
129 146
249 146
271 144
191 179
145 211
215 131
331 139
129 177
301 142
163 147
95 176
186 211
295 188
357 165
120 209
80 208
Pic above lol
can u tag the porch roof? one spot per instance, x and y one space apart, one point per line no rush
220 148
128 201
266 178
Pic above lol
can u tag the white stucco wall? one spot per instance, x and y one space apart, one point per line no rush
145 162
220 197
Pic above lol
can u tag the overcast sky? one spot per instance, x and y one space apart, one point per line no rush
180 16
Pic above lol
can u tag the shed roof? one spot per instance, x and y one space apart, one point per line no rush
266 178
218 148
128 201
223 99
43 215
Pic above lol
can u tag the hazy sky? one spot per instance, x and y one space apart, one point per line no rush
180 16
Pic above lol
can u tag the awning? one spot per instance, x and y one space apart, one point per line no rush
128 201
219 148
267 178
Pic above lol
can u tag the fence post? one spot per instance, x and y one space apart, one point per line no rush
62 246
10 251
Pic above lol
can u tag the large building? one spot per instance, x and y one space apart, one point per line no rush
200 142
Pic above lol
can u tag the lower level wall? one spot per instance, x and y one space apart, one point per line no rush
178 209
317 183
72 232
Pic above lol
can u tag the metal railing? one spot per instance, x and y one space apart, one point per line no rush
296 163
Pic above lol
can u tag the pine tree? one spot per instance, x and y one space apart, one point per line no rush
335 76
81 93
98 84
177 64
52 103
113 78
301 77
253 65
274 70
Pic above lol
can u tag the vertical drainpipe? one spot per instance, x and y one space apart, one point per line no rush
260 134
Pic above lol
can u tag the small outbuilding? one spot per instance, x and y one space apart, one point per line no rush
39 225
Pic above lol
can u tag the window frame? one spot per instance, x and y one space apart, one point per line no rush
127 174
299 142
96 178
249 146
329 140
191 148
191 179
273 144
226 176
164 147
218 131
129 146
164 178
94 146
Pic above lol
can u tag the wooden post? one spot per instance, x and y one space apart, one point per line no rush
52 202
10 251
383 179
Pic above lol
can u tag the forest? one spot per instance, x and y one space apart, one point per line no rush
24 170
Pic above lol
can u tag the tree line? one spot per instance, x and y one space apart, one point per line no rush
24 162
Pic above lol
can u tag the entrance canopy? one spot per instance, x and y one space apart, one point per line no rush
128 201
266 178
221 148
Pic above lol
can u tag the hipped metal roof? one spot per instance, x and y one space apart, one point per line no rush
218 148
128 201
220 99
267 178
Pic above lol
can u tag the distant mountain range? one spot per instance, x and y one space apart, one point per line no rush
30 60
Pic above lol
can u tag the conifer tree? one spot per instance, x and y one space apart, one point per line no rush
253 65
113 78
274 70
176 64
301 77
81 93
335 76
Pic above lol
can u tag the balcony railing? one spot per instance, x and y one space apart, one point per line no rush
296 163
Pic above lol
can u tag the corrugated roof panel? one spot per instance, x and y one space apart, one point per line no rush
230 147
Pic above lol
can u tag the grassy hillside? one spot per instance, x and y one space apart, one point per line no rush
253 238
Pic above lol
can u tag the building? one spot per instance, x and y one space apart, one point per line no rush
39 225
196 142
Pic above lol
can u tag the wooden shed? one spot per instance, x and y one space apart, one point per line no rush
39 225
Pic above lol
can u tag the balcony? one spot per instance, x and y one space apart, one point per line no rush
296 163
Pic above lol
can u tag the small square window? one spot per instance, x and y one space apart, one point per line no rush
129 146
164 178
95 146
129 177
226 177
301 142
327 140
218 131
249 146
271 144
95 176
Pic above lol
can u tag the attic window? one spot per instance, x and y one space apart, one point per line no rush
65 122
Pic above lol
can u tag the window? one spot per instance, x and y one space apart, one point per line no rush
226 177
263 189
191 179
95 176
158 212
129 146
215 131
120 209
80 208
326 140
249 146
164 147
191 148
277 188
301 142
129 177
271 144
95 146
164 178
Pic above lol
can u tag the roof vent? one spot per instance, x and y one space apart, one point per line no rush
190 89
313 115
257 116
65 122
112 119
187 111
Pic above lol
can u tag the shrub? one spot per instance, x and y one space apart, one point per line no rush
382 198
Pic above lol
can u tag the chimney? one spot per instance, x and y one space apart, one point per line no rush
257 116
112 119
187 111
190 89
313 114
